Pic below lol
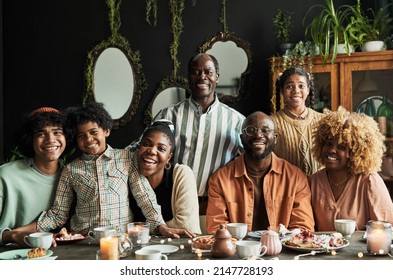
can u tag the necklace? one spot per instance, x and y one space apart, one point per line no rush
339 183
297 116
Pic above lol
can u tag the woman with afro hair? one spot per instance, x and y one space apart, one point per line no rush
351 147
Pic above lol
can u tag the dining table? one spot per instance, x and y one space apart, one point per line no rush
181 249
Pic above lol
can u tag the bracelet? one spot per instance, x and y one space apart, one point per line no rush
1 234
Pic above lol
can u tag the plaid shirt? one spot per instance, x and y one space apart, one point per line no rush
101 185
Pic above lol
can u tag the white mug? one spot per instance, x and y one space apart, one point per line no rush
99 232
250 249
149 255
237 230
39 239
345 226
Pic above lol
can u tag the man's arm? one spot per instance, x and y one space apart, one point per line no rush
216 213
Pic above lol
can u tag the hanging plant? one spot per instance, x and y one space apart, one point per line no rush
176 7
151 11
223 18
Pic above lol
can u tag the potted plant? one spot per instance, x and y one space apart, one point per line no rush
300 55
370 30
283 23
328 29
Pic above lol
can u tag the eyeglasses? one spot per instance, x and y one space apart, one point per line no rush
165 122
252 130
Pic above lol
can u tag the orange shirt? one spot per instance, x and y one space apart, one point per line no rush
286 192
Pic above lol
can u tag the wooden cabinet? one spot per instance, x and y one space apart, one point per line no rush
349 82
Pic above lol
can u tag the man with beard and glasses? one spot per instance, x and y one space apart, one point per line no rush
258 188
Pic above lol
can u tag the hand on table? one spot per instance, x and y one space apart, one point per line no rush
175 232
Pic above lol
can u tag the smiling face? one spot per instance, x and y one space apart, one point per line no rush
295 91
335 155
154 152
91 138
203 78
260 144
48 144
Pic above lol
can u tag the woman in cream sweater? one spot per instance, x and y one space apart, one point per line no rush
174 186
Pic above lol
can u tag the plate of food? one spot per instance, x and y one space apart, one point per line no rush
164 249
203 243
307 241
65 237
26 254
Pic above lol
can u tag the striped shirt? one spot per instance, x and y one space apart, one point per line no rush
101 185
204 141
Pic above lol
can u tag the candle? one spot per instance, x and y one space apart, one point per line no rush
378 237
138 233
109 248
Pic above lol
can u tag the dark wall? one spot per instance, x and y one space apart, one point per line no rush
45 45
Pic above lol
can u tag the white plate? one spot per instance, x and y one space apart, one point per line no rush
307 250
9 255
164 249
256 233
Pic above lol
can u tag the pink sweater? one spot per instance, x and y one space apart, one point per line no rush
364 198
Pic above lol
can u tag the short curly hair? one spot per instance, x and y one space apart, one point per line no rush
89 112
361 134
33 122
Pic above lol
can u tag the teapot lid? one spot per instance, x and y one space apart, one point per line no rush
222 232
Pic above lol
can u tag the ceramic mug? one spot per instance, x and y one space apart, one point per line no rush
345 226
39 239
149 255
237 230
99 232
250 249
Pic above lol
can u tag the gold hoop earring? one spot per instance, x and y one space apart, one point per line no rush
168 165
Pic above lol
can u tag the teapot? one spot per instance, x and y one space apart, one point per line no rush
272 241
223 245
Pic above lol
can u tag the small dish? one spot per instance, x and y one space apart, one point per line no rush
57 237
9 255
204 243
164 249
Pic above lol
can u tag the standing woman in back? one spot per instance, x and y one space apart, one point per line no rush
294 123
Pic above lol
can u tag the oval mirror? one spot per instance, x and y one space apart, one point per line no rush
114 78
170 91
113 82
234 58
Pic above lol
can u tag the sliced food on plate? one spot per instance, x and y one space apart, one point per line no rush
309 240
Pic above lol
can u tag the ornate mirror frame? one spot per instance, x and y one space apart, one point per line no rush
166 83
139 80
245 76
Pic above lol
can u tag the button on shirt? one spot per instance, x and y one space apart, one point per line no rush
101 185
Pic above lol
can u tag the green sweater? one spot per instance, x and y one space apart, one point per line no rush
24 194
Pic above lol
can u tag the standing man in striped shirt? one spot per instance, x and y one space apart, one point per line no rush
207 132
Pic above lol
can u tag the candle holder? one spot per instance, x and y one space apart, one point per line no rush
138 233
379 237
109 248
